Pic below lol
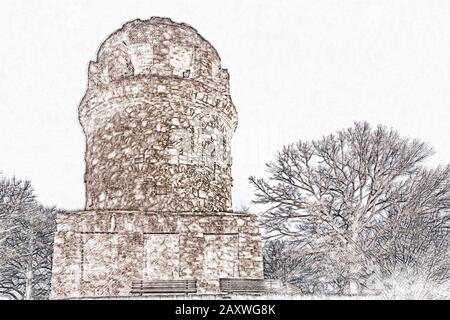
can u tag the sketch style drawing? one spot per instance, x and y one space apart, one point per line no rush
158 120
359 212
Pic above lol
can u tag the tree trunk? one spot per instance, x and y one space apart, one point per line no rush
353 287
353 270
29 283
29 272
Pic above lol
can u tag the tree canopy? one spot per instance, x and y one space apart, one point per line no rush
340 194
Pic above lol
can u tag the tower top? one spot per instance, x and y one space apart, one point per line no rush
157 21
157 47
141 46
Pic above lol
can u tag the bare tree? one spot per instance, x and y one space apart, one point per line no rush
281 260
26 242
287 261
413 256
333 194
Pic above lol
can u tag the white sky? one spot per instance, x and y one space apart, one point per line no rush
299 69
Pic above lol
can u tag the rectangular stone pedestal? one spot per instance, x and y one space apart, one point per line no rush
99 253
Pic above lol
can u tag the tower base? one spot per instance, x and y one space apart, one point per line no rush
100 253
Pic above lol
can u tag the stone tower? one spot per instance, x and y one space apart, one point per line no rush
158 121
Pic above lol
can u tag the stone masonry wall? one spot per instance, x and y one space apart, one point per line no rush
99 253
